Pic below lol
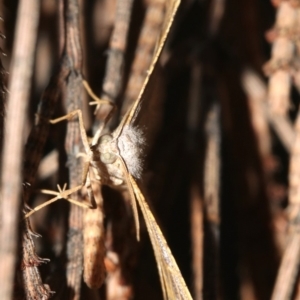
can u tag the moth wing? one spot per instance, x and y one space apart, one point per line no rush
173 284
93 234
171 9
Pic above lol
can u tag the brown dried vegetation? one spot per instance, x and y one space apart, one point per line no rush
221 146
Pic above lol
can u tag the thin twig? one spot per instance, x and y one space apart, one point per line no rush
113 79
33 285
283 128
257 91
196 201
48 165
211 204
33 152
39 132
279 67
286 279
2 102
212 165
197 241
288 271
19 87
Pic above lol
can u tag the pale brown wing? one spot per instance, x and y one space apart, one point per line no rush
171 8
173 284
93 235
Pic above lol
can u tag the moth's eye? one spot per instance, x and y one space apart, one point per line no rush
108 157
105 139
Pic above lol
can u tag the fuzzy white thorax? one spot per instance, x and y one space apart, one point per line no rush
131 145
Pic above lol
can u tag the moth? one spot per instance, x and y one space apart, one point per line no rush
115 159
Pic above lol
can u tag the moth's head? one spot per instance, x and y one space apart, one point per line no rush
107 148
129 145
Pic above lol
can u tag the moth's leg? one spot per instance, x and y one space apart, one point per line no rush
61 194
84 137
86 165
89 189
99 102
85 172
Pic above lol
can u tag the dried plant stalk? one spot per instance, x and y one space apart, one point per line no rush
284 129
19 86
117 46
257 94
196 201
73 147
74 96
2 103
147 42
212 167
38 135
296 71
49 165
113 78
257 91
33 285
211 203
197 241
278 68
294 176
33 152
287 275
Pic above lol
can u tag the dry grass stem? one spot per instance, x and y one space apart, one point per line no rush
11 186
279 67
256 90
114 70
287 274
261 112
74 97
153 20
48 165
197 238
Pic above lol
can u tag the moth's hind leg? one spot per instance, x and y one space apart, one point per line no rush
97 101
61 194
